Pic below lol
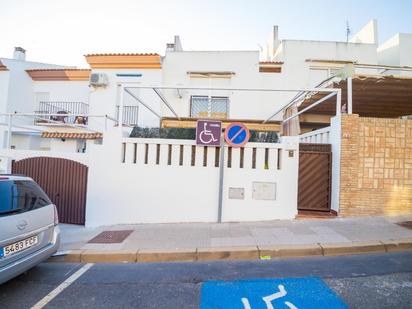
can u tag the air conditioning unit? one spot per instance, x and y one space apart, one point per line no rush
98 80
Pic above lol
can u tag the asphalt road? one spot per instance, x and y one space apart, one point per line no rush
361 281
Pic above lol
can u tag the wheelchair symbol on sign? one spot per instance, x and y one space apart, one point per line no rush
206 136
208 132
268 299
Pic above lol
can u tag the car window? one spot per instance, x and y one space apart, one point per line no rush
21 196
6 196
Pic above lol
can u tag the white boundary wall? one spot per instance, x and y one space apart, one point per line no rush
134 180
130 183
320 136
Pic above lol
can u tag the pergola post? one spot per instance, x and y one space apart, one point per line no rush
120 116
349 86
338 102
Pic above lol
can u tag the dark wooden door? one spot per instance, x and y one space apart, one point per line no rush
64 181
315 177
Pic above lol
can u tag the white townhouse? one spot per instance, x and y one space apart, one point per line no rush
75 124
37 89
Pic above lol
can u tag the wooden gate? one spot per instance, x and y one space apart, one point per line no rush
64 181
315 177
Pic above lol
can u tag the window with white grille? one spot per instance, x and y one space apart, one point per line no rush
209 107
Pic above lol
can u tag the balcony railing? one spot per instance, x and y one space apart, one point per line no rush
63 108
130 115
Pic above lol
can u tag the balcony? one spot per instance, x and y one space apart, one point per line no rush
130 114
61 109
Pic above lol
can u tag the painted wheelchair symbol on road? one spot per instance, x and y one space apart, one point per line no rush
237 134
268 299
287 293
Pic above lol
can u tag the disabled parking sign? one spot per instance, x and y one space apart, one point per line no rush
237 134
208 132
289 293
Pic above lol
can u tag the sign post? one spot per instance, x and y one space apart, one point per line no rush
209 133
221 171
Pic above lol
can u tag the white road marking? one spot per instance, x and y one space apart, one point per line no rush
245 302
49 297
268 299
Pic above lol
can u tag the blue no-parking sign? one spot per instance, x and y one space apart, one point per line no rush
286 293
237 134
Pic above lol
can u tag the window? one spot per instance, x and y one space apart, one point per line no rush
20 196
209 107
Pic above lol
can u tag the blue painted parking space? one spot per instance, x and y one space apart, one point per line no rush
309 292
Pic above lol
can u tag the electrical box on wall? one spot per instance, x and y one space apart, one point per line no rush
236 193
264 191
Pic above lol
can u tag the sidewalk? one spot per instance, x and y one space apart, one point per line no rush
210 241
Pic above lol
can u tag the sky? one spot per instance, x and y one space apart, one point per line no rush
62 31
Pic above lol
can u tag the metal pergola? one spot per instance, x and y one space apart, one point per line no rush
126 87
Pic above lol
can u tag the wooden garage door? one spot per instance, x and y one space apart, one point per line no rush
64 181
315 177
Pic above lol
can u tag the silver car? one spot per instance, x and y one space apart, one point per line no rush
29 231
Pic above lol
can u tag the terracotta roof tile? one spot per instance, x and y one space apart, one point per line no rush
270 62
59 74
124 61
123 54
78 135
62 69
3 67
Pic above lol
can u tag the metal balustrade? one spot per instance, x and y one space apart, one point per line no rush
63 108
130 114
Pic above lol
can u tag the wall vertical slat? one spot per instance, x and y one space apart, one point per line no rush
199 156
151 155
260 158
235 157
187 155
247 158
273 159
164 154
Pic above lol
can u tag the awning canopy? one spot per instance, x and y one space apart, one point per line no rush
72 135
372 96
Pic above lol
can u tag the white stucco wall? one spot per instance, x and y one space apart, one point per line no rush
388 52
20 92
295 54
130 191
245 65
396 51
65 91
405 49
4 89
103 101
368 34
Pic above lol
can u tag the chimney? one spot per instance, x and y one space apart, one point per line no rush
178 44
175 46
275 36
170 47
272 44
19 54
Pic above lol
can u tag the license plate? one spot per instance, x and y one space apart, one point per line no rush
18 246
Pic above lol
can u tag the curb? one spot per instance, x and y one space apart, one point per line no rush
232 253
